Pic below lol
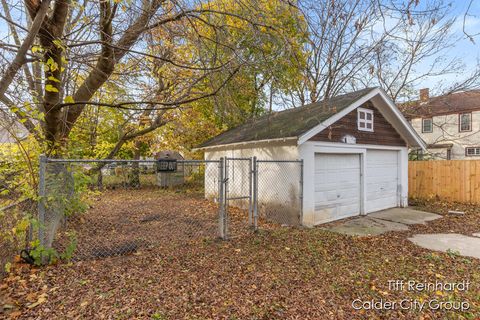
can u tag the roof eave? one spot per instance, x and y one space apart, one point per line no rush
415 139
411 137
337 116
246 143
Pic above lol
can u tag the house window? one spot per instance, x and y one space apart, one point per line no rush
465 122
472 151
427 125
365 119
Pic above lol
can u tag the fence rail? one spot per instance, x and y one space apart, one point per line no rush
120 161
452 180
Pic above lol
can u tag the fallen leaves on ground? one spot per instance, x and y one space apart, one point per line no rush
281 273
126 221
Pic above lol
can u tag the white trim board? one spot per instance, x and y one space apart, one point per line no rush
340 145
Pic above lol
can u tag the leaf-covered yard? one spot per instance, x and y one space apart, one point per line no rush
123 220
277 274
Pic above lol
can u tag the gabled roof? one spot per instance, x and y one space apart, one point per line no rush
457 102
287 123
303 122
169 154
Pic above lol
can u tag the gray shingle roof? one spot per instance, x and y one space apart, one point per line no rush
288 123
456 102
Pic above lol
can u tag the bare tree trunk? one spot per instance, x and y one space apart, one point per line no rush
100 180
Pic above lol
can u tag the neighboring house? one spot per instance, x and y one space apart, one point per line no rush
449 124
354 148
11 131
5 136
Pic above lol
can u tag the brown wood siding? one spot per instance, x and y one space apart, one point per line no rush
383 134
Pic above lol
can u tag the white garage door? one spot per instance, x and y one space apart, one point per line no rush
381 179
337 186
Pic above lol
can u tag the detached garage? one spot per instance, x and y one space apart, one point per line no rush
354 149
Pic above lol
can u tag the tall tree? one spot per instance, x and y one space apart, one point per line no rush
357 43
81 46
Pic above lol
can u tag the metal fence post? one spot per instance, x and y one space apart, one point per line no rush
226 186
255 193
301 192
41 199
221 198
250 192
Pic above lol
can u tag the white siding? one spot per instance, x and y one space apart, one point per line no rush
445 130
267 151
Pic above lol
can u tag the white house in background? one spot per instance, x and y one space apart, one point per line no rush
11 131
354 147
449 124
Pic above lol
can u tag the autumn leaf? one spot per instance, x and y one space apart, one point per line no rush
52 78
68 99
439 293
50 88
51 64
36 49
41 299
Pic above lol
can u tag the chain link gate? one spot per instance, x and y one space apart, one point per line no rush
271 191
238 191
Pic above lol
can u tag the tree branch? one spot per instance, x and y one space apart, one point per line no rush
20 57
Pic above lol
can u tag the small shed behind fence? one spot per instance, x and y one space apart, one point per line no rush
172 178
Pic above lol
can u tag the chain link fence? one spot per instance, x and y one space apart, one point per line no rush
142 205
15 230
279 191
16 209
91 209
